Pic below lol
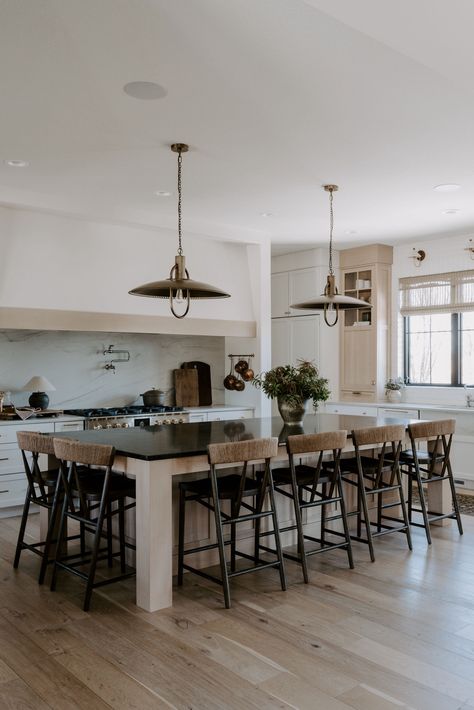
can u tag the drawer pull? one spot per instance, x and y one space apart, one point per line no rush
7 491
4 459
356 392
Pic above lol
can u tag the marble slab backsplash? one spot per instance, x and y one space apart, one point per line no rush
75 364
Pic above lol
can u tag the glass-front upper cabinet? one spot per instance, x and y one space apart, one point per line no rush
358 284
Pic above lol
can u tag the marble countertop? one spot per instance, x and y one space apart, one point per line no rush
42 420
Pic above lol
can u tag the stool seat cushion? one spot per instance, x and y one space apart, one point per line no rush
228 487
92 484
304 475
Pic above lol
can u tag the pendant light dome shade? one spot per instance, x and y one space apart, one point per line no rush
179 288
330 300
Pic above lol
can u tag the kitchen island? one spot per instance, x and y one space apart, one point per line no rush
153 455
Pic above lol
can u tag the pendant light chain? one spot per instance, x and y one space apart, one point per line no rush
331 228
180 161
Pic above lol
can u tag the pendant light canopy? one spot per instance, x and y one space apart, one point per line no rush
330 300
179 288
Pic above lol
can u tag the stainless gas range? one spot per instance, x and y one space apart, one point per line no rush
124 417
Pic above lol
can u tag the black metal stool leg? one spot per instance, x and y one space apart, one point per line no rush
121 522
21 534
454 497
182 506
365 509
423 506
233 532
276 533
344 523
220 542
95 551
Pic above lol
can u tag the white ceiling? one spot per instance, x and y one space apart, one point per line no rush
275 97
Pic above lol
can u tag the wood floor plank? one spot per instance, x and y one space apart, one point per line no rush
394 634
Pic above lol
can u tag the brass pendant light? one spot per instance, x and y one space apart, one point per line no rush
179 288
330 300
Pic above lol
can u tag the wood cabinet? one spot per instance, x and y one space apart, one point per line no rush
293 287
365 346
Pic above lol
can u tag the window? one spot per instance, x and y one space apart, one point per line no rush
438 316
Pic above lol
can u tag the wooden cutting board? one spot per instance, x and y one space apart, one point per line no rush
204 380
186 387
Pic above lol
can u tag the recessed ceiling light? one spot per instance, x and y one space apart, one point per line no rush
16 163
162 193
451 211
350 231
447 187
266 214
145 90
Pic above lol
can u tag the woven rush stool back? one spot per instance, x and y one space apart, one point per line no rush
309 443
378 434
242 451
80 452
35 442
432 430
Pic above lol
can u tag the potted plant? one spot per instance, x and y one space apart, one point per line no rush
393 389
292 387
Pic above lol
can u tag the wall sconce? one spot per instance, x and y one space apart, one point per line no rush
418 257
470 249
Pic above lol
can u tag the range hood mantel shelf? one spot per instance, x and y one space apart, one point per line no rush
51 319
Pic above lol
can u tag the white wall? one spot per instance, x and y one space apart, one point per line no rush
442 255
74 363
51 261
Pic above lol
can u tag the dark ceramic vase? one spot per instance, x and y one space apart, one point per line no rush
292 414
39 400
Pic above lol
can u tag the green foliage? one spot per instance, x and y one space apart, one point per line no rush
394 384
294 384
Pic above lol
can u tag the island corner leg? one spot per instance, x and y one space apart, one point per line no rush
154 535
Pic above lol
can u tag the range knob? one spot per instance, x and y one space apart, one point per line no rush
181 420
166 421
125 425
98 426
109 426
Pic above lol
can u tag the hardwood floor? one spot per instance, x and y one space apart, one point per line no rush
398 633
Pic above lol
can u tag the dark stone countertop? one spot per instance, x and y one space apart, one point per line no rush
178 440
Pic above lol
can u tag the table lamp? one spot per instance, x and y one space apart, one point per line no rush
39 385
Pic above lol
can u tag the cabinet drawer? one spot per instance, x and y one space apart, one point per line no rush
69 426
12 490
11 460
351 409
388 412
235 414
8 433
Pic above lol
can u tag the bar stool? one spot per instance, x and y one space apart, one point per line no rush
314 487
42 491
430 465
209 492
377 476
89 499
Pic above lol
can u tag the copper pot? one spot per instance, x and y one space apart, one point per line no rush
230 379
241 366
247 374
239 385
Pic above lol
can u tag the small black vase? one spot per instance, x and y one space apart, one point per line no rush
39 400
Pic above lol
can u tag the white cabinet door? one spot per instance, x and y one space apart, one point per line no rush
280 295
302 287
281 342
359 411
295 339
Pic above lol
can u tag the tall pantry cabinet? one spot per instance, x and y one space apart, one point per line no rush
300 335
365 332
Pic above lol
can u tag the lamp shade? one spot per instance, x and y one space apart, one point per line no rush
38 383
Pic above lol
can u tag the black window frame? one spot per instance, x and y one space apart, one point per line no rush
456 350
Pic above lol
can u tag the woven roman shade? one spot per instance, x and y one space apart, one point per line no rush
437 293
